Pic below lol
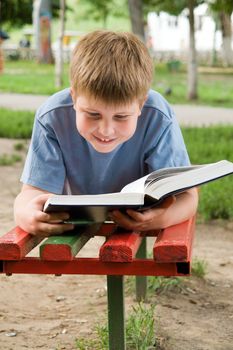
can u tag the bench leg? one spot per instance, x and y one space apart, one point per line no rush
141 281
116 313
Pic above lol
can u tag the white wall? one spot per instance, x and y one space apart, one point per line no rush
170 33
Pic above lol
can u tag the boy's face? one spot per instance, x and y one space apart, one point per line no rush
105 126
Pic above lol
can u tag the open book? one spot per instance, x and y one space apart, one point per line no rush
141 194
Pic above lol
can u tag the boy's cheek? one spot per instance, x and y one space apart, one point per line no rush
83 126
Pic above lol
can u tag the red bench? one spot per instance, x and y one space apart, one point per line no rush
123 253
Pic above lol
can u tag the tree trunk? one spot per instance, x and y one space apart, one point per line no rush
42 20
136 17
1 57
227 53
192 59
214 51
59 53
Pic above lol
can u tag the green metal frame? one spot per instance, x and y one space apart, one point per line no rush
116 312
116 308
141 281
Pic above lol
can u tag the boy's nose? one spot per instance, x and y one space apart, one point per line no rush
106 128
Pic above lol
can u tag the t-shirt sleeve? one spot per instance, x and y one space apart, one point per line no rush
44 167
170 150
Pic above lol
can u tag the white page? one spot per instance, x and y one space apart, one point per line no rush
137 186
191 178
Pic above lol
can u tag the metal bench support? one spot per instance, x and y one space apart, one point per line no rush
141 281
116 312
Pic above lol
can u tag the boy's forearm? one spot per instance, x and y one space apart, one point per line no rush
182 209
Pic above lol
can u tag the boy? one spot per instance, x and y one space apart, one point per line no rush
107 130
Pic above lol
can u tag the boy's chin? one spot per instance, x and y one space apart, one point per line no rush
104 148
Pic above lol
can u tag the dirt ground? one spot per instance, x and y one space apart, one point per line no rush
48 312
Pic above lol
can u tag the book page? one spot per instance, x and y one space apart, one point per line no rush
167 172
141 184
195 177
137 186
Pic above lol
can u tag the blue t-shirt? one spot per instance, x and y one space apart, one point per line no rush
60 160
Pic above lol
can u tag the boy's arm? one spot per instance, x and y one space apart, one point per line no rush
29 215
172 211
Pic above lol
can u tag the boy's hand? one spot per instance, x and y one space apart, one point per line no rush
36 222
143 221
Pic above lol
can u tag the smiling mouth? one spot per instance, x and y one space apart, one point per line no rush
104 140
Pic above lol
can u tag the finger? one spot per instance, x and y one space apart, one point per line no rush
124 221
58 217
146 216
51 217
45 229
137 216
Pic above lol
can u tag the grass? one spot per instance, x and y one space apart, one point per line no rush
140 332
206 145
19 146
155 284
9 159
199 268
16 124
29 77
215 89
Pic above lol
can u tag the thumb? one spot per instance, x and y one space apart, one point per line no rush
42 198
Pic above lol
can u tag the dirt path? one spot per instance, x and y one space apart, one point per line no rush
47 312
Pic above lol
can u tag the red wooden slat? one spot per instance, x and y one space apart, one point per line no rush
174 244
120 247
17 243
93 266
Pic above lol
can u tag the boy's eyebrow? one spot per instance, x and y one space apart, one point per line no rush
90 110
123 114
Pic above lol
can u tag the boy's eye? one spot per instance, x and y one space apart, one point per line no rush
93 115
121 117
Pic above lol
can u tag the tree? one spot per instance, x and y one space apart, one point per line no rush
224 9
42 24
175 7
16 12
100 10
59 54
19 12
137 18
192 61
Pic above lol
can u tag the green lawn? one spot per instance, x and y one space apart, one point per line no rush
215 89
16 124
206 145
30 78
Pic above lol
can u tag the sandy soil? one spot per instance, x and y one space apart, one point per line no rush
48 312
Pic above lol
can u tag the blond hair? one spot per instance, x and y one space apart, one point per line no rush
112 66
